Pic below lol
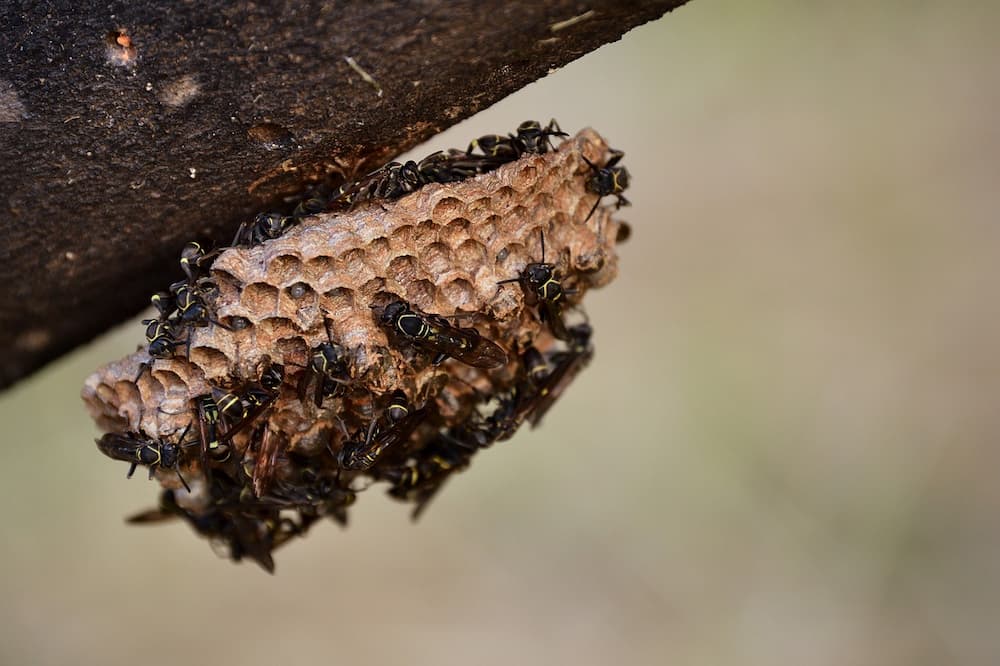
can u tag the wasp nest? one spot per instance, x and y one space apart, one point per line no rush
386 342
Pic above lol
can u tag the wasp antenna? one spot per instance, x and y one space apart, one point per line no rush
143 367
371 428
185 483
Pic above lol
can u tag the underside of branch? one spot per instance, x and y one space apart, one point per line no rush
127 129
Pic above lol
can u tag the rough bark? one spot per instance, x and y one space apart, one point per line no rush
128 128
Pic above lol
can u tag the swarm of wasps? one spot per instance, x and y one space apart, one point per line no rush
253 494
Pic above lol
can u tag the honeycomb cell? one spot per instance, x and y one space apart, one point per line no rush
402 269
470 255
485 231
422 293
589 261
284 268
541 205
460 292
513 260
455 231
208 357
260 299
525 178
425 233
277 327
481 207
377 251
401 239
435 259
317 269
371 288
228 285
448 208
503 199
236 322
105 394
564 192
351 261
518 219
129 409
297 297
340 299
126 391
163 380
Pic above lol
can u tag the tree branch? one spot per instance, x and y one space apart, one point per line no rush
128 129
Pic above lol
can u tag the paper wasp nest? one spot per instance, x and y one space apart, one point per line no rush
443 249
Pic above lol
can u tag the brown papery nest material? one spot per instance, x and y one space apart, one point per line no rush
443 248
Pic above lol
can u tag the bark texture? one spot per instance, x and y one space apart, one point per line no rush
127 129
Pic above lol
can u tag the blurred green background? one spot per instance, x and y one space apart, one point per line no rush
784 451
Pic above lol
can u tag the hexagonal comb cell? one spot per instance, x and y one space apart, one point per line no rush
390 341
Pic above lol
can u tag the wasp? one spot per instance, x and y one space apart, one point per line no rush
421 480
311 206
209 417
390 181
359 454
530 137
329 366
265 226
137 450
455 165
194 259
608 179
161 337
192 308
161 334
213 523
268 447
164 303
398 408
516 404
242 408
540 280
432 333
315 492
533 138
189 295
476 431
565 367
259 462
249 531
231 406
